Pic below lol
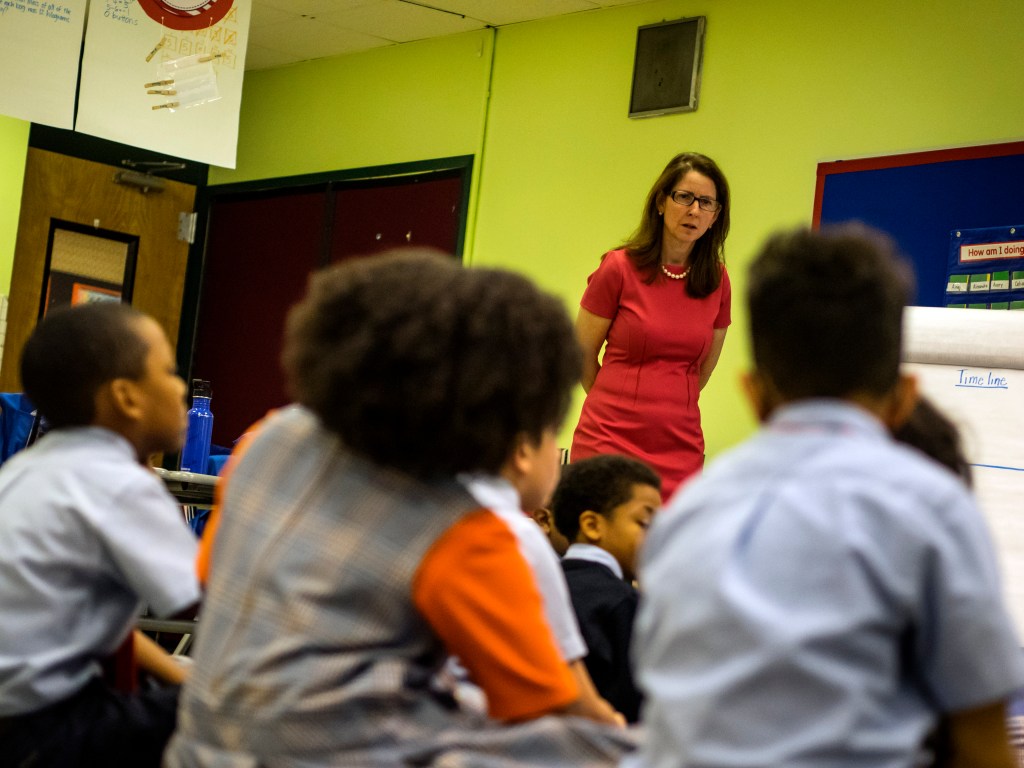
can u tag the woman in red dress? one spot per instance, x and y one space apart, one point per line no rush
662 303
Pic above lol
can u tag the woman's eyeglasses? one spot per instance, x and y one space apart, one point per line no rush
686 199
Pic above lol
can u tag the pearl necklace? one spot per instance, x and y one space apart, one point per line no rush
682 275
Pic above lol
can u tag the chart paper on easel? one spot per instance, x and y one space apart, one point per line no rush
970 363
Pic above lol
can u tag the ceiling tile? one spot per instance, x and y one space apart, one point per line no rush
498 12
400 22
311 7
264 16
258 57
289 31
306 39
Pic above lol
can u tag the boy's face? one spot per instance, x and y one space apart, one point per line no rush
161 415
539 465
626 525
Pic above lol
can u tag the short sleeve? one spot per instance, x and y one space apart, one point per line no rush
724 317
153 547
477 593
604 286
968 651
547 570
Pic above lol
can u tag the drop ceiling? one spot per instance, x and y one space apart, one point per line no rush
289 31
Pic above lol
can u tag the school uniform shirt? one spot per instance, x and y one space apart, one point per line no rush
500 497
87 537
605 606
814 599
338 589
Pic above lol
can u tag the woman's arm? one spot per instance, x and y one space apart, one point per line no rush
591 332
717 342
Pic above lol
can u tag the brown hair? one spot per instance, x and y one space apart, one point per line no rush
644 245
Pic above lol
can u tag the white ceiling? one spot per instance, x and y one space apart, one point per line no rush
289 31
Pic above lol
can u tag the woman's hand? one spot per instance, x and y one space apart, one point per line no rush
591 332
717 342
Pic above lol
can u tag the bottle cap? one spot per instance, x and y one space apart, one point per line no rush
201 388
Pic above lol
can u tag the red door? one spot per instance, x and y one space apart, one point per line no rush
261 248
376 216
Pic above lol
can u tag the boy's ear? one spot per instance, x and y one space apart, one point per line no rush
901 402
760 393
592 526
120 398
544 519
521 459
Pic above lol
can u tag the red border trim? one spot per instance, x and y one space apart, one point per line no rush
910 158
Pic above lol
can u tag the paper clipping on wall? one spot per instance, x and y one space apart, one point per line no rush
40 42
166 75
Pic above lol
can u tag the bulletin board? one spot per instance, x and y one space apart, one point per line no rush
986 268
923 199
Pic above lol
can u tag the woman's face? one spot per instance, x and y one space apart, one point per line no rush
683 225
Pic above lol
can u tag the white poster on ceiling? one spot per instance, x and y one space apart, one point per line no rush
165 75
39 46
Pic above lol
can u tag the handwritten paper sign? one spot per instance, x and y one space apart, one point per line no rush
39 46
125 95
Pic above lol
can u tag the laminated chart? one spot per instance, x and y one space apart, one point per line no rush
970 363
985 269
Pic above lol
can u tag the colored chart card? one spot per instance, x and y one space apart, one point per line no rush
166 75
971 365
988 264
40 42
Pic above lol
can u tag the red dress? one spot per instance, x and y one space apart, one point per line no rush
644 402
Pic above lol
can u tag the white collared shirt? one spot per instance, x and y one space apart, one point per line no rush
87 535
498 495
594 554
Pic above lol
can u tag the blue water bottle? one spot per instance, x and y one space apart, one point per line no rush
196 453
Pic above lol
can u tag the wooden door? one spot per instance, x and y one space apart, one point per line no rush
59 187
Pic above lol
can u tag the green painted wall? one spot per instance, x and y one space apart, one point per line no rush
13 148
387 105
